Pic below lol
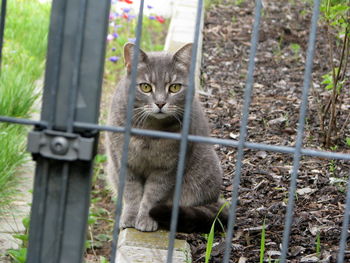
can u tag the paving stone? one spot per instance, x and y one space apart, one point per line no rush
11 220
7 241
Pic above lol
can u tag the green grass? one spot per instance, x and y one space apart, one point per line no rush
262 243
318 244
23 64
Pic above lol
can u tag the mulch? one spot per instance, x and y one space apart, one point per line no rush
273 117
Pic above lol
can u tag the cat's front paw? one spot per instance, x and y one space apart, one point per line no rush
127 220
145 223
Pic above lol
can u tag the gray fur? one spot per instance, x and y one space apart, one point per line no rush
152 162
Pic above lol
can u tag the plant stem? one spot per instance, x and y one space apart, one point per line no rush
334 90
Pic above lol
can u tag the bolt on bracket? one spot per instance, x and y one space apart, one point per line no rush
61 145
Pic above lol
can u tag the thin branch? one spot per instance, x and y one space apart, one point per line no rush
334 90
345 124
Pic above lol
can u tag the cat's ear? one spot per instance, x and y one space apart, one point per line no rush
183 55
128 55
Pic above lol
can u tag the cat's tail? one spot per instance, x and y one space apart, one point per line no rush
193 219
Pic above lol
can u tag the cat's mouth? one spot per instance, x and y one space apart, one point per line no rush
160 115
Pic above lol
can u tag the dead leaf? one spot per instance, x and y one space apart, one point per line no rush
306 190
242 260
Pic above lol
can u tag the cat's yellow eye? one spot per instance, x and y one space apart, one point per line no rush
174 88
145 87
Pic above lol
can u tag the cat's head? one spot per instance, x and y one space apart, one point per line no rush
162 81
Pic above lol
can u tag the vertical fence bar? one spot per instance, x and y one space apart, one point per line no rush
70 128
61 195
61 212
127 133
243 130
54 60
345 227
39 197
184 135
2 27
301 124
77 60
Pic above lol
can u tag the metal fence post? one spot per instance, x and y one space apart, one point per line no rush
64 154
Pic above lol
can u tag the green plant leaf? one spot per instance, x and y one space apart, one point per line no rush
210 238
22 237
103 259
26 222
100 158
347 141
18 255
295 48
210 241
91 220
103 237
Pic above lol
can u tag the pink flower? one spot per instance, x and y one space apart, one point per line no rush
160 19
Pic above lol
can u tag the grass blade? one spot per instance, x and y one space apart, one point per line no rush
262 243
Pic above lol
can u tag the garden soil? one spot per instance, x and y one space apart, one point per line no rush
273 118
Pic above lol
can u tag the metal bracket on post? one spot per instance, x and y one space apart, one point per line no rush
61 145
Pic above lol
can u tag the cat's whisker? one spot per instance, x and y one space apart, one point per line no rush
181 112
141 107
143 119
177 117
139 118
138 110
136 114
145 116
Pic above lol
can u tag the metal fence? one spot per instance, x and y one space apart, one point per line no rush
63 142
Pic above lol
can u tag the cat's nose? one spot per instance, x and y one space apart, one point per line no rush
160 104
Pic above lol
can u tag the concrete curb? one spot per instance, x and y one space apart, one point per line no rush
149 247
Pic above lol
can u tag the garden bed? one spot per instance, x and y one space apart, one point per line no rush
274 113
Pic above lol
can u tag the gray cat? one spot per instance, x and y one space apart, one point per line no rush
162 82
